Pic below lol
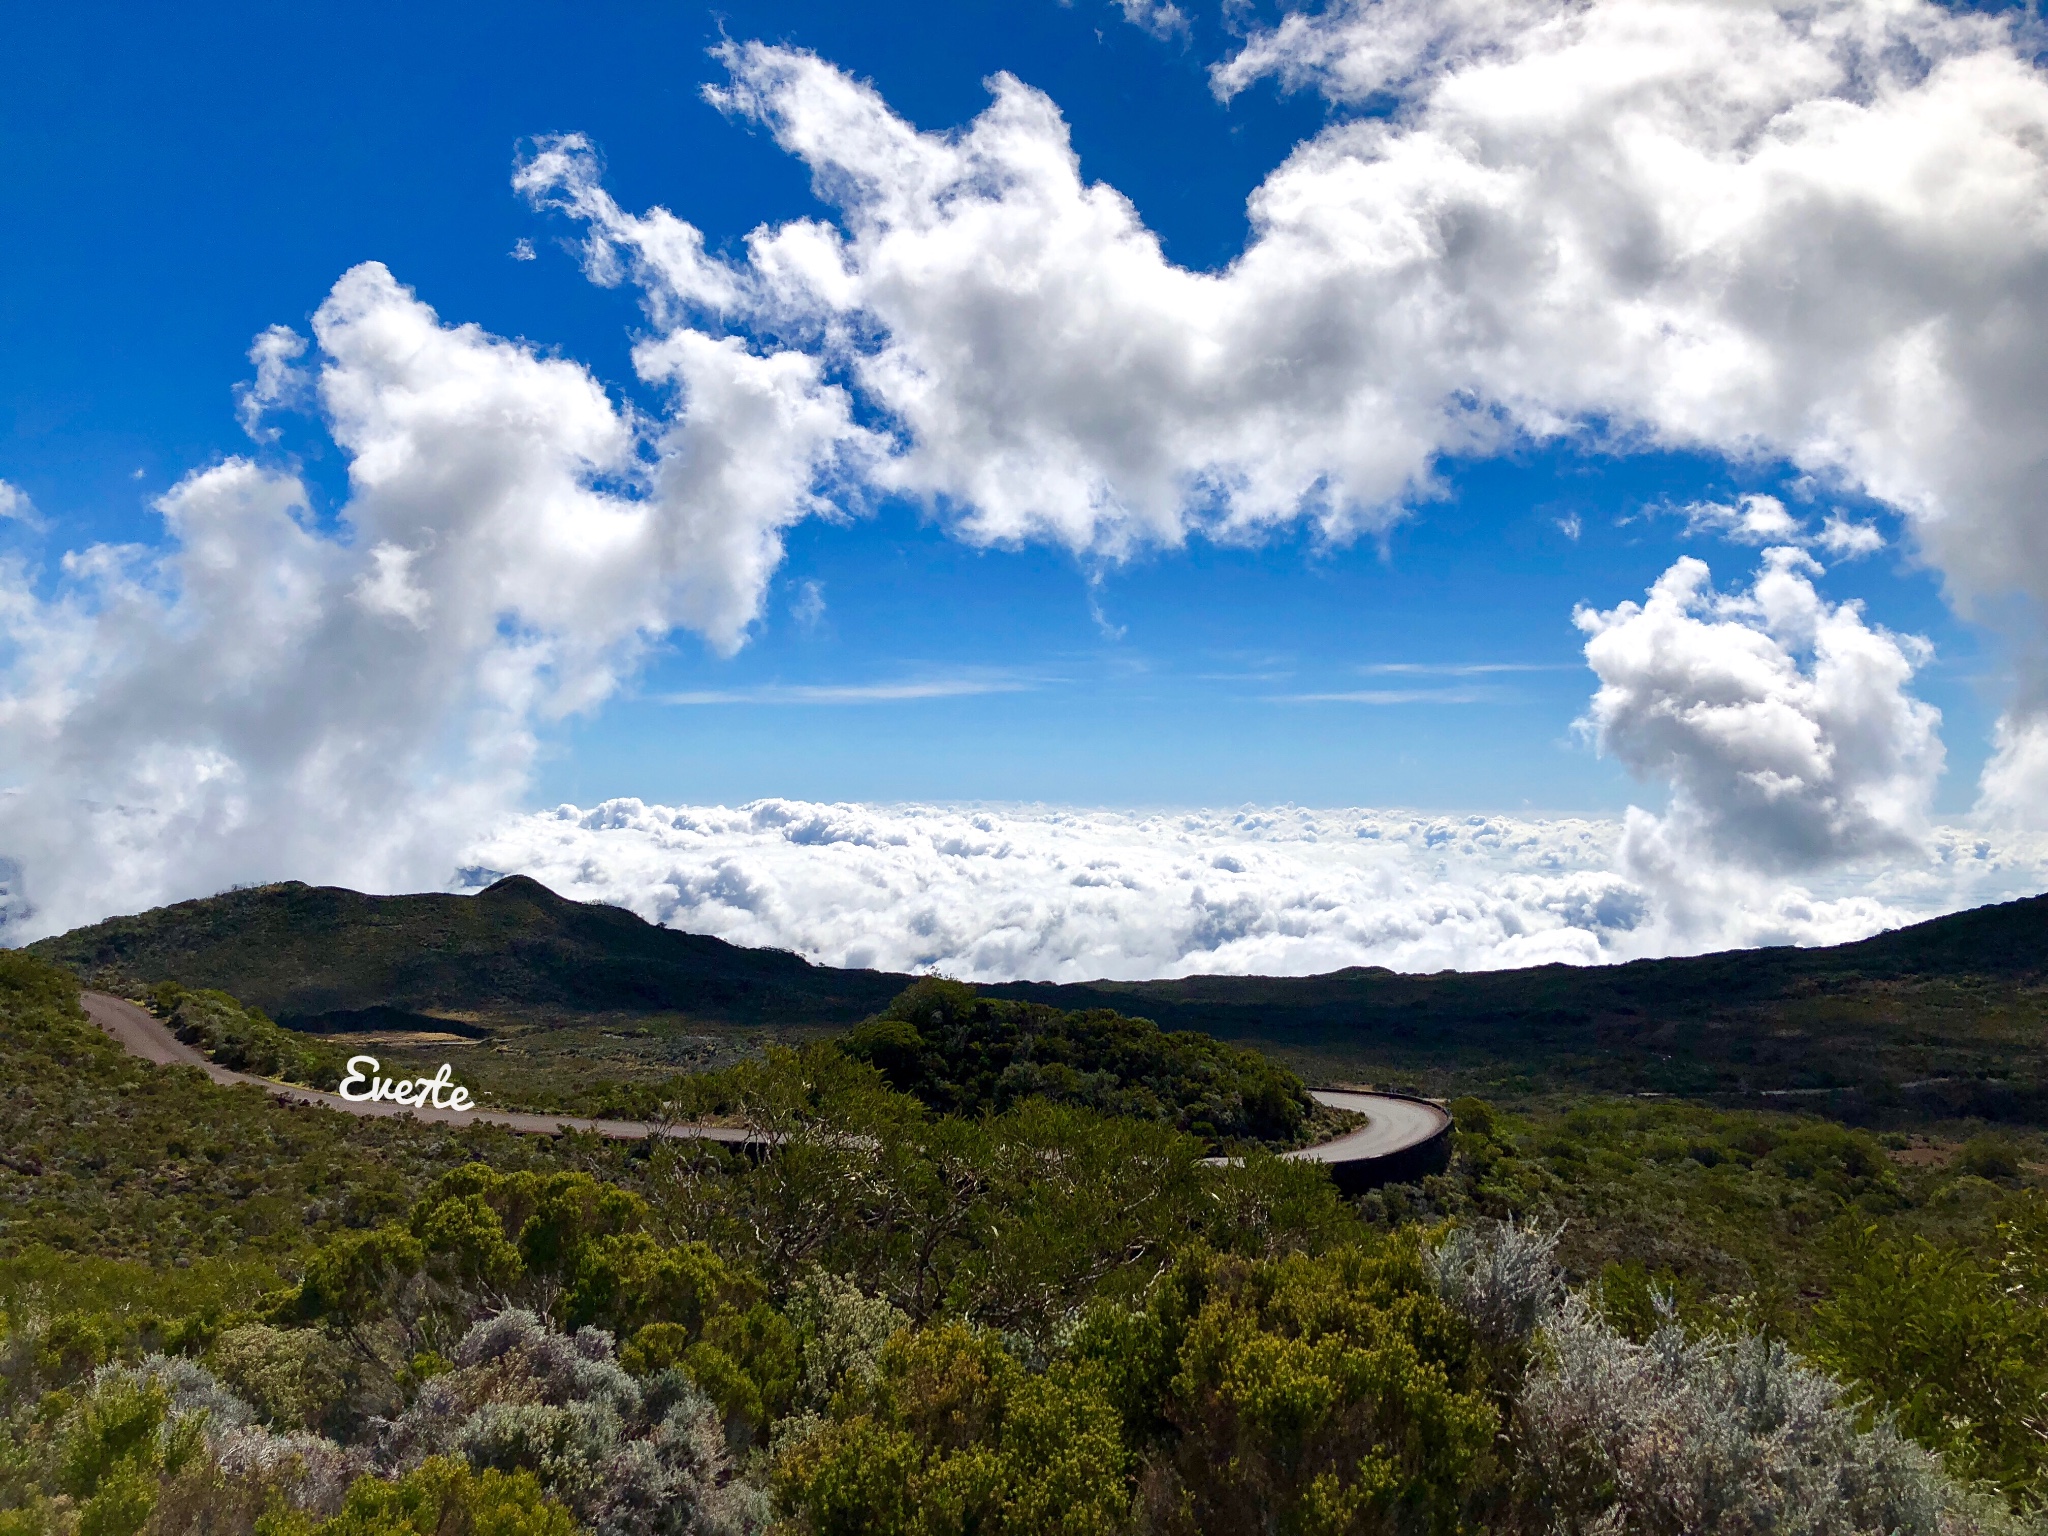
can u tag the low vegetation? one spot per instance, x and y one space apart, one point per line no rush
987 1284
103 1155
243 1038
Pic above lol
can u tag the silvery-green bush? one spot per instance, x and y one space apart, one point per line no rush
569 1447
192 1392
673 1482
309 1472
842 1329
193 1421
628 1458
562 1367
1502 1275
1687 1435
1706 1434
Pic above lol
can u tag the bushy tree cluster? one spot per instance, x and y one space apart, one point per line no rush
1013 1221
961 1053
563 1243
1297 1394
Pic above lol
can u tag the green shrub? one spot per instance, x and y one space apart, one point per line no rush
952 1436
244 1039
964 1054
122 1505
294 1378
1320 1394
1990 1157
1953 1347
440 1497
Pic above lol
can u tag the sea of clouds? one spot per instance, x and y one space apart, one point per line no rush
991 893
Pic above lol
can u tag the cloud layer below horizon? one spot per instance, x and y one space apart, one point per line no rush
996 893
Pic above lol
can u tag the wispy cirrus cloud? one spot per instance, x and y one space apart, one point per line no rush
900 691
1463 668
1479 693
1159 17
1393 696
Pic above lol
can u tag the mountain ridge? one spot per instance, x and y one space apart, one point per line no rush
516 949
1956 1000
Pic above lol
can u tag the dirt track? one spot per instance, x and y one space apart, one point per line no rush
1392 1125
142 1034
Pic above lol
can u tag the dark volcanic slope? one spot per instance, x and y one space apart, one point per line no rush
1960 1000
516 951
2008 942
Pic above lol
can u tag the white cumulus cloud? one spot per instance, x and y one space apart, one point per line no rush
1783 726
1846 540
1749 520
15 506
2014 790
1759 519
1815 234
1764 521
278 381
1354 52
271 694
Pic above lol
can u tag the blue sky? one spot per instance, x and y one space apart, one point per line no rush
192 178
181 181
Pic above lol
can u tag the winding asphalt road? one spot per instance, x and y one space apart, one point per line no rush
1392 1125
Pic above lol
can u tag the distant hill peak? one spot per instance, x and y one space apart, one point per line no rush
526 888
515 951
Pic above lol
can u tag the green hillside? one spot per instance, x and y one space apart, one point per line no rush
1952 1012
1948 1017
311 956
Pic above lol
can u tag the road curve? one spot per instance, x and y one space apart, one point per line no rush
1392 1125
141 1033
1400 1139
1403 1139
